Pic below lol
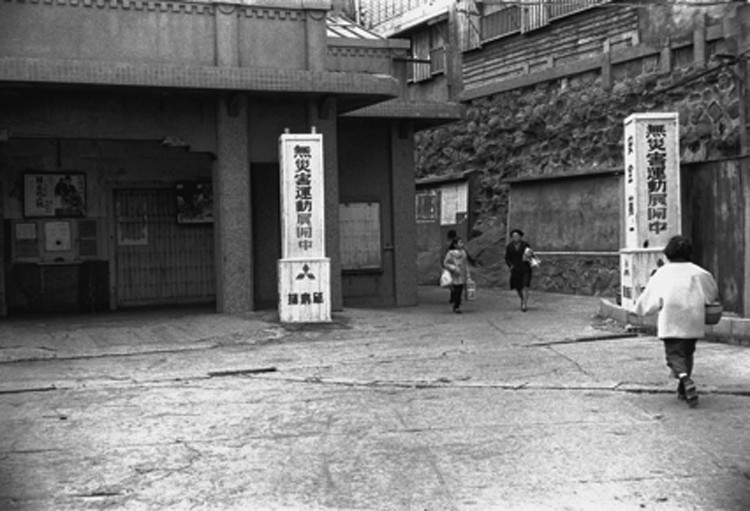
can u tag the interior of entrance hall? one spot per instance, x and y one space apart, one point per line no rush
125 245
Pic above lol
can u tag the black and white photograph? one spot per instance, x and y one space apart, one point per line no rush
375 255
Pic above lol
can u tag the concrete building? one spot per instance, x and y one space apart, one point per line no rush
139 148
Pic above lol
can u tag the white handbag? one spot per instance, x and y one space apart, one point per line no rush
445 278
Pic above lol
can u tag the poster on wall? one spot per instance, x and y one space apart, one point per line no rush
453 203
57 237
60 194
194 203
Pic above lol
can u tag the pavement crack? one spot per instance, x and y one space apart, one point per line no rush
240 372
590 338
100 494
32 389
445 382
572 361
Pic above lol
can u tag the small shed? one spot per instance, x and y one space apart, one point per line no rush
442 203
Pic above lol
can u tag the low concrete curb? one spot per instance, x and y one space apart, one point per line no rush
730 329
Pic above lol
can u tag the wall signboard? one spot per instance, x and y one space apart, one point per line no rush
60 194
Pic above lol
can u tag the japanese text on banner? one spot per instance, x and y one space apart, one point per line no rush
656 159
303 196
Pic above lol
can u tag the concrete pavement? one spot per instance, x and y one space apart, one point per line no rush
413 408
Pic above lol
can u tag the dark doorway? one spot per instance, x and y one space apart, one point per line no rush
264 182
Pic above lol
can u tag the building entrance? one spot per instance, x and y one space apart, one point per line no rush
160 260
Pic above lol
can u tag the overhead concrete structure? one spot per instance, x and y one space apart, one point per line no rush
170 112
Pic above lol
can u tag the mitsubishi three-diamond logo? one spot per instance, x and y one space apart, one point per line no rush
306 273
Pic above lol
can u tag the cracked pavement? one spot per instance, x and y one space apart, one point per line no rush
404 409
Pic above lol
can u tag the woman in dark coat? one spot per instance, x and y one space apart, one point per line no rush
520 266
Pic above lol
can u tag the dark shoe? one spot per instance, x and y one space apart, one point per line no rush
681 392
456 310
691 392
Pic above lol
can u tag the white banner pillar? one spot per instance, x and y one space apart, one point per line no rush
304 270
653 212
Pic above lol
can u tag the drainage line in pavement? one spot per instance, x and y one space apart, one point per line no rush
22 391
108 355
239 372
592 338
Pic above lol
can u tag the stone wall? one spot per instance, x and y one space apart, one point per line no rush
580 274
573 125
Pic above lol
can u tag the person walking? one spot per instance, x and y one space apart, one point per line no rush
457 263
451 237
518 256
679 292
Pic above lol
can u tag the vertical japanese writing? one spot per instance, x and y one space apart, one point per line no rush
303 196
41 192
630 188
656 177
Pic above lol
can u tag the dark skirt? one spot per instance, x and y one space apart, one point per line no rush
520 277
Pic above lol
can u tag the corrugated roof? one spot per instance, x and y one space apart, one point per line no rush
340 26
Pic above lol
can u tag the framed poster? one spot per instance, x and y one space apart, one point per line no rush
195 203
57 237
60 194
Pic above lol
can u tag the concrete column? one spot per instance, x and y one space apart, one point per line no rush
403 190
227 50
454 56
317 46
231 183
665 61
233 223
699 38
3 295
323 114
607 65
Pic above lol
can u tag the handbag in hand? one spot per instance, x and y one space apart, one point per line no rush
445 278
713 313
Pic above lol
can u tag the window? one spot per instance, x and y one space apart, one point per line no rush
426 206
428 52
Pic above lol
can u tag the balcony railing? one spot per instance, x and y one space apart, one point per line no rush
502 22
560 8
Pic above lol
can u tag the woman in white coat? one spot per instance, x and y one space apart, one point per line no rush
457 262
679 292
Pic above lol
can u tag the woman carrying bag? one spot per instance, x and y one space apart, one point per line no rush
457 263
